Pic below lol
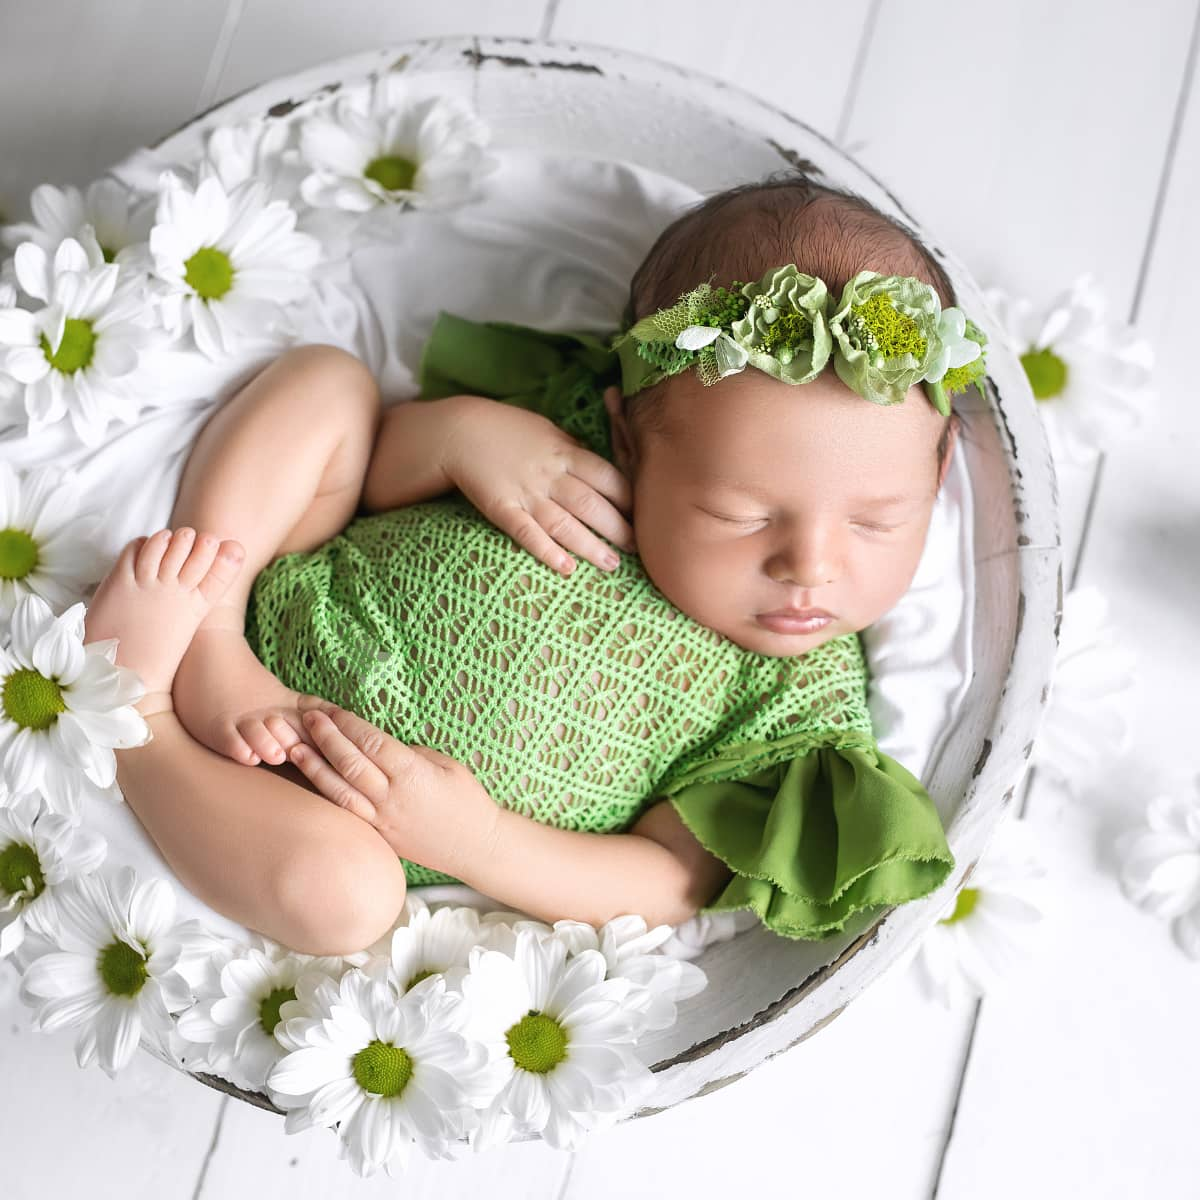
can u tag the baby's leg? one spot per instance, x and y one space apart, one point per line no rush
266 852
280 467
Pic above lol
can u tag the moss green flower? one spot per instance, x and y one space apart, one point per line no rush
885 332
784 330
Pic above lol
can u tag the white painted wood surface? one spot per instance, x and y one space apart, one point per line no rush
1036 142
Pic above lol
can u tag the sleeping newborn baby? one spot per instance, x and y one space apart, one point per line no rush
438 691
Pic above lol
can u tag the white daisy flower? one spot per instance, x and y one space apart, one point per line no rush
47 546
560 1038
390 1072
75 355
1086 726
116 972
1160 866
633 952
498 929
39 851
430 942
988 923
230 263
1090 375
117 219
382 148
64 706
690 939
238 1002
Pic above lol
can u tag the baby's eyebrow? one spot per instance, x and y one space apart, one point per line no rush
883 501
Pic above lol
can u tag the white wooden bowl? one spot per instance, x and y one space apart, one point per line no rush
767 993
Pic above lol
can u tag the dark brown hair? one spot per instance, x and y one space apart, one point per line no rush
742 232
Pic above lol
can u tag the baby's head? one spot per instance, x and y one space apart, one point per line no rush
754 495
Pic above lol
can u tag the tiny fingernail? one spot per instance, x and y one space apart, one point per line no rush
567 565
309 717
611 561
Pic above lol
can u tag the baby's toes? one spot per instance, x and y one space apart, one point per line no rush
261 740
150 556
176 553
228 740
223 571
127 559
288 730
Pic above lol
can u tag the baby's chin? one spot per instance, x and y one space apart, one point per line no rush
760 640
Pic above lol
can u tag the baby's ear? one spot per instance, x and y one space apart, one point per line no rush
624 451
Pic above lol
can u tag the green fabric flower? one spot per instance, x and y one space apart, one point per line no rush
784 330
885 331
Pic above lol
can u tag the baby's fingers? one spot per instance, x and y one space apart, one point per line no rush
522 526
330 783
570 532
594 510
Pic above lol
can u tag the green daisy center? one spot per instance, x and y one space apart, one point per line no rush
76 348
18 553
268 1010
109 255
412 983
18 862
537 1043
122 968
964 905
209 272
1046 371
392 172
892 332
32 700
382 1069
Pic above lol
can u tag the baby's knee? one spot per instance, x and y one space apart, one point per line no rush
330 373
338 900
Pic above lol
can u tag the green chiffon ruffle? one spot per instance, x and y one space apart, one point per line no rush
818 838
560 375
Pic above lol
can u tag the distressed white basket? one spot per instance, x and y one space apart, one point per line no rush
767 993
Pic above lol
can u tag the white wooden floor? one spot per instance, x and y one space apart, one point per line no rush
1035 140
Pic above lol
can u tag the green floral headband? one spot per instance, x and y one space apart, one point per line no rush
887 333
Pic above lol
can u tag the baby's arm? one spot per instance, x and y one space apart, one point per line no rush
526 475
657 870
409 459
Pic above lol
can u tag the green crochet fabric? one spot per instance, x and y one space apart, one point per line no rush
581 700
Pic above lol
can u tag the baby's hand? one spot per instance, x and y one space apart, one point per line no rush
427 806
538 484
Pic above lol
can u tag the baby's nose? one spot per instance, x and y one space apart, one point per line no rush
806 560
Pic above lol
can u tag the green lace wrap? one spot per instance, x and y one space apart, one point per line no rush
581 701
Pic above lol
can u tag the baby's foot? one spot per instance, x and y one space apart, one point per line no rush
154 598
227 699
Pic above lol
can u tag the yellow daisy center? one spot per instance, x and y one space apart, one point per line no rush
122 968
382 1069
18 553
18 862
209 273
964 905
537 1043
76 348
268 1010
31 700
1046 371
392 172
890 331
